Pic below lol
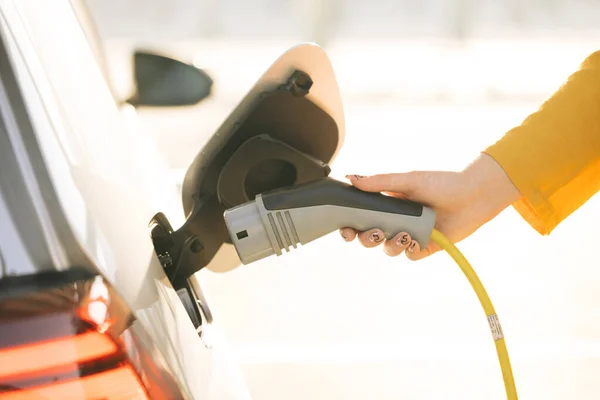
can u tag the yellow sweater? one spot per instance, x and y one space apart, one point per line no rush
553 157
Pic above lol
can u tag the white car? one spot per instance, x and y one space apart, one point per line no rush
94 303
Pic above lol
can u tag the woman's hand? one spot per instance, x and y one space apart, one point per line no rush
463 201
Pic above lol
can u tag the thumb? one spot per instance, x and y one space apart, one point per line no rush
399 183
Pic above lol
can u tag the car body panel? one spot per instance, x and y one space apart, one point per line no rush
83 158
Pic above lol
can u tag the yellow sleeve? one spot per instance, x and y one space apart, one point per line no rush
553 157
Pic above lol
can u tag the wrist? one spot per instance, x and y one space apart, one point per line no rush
489 184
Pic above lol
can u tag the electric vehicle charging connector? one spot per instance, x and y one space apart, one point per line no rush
283 218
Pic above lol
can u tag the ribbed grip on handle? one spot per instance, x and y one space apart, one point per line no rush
283 229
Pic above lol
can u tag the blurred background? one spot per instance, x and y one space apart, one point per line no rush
426 85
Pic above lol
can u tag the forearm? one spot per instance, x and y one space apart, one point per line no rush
553 157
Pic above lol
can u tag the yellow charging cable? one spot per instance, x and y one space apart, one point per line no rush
486 303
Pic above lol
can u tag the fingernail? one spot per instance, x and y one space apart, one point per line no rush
344 236
354 177
403 240
375 237
413 246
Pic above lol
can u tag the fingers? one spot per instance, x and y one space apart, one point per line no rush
397 245
371 238
348 234
417 254
401 243
397 195
399 183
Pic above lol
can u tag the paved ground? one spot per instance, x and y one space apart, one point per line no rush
335 321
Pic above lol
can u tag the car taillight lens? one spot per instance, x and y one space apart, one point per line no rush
70 336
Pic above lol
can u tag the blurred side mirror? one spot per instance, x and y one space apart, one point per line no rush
163 81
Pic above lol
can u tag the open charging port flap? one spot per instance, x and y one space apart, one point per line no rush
285 139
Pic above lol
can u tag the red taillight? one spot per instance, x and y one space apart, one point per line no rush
30 358
120 383
76 341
